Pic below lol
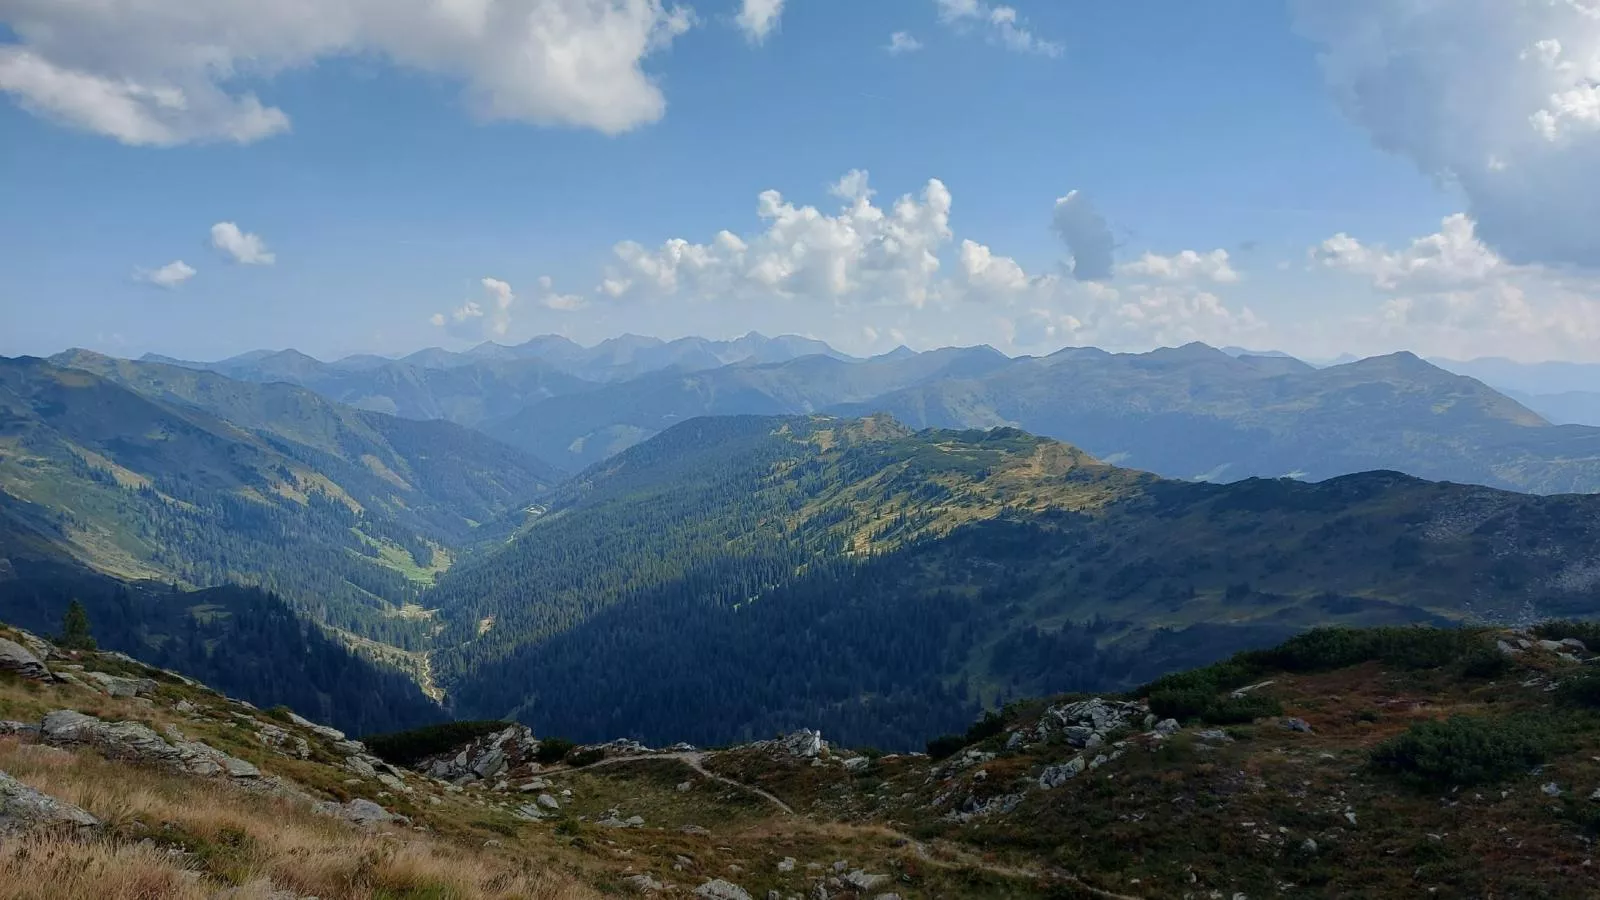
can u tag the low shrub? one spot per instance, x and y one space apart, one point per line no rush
1561 629
1485 663
1584 690
407 748
945 746
1240 710
1182 704
988 725
580 758
1463 750
553 750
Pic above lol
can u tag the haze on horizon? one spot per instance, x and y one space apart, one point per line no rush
1311 178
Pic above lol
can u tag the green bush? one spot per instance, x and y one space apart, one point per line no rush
988 725
1463 750
280 712
1485 662
553 750
407 748
1588 632
1322 649
1583 690
580 758
946 745
1182 704
1240 710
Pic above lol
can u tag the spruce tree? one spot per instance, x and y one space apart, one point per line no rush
75 628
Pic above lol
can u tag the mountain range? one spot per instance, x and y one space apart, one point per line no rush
1190 412
870 545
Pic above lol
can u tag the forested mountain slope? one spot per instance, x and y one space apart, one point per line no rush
190 477
770 572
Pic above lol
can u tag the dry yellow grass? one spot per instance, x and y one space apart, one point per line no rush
171 836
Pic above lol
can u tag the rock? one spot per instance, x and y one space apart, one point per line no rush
360 811
1551 645
1244 691
856 764
1575 644
1056 776
786 864
1506 648
1168 727
695 830
643 884
1309 845
332 734
16 658
538 784
284 742
185 708
718 889
1551 789
684 787
549 802
118 686
1294 724
862 881
887 897
361 767
805 743
24 809
394 784
138 743
635 821
1215 736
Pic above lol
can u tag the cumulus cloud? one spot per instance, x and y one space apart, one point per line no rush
168 276
242 246
759 18
1500 97
863 252
490 318
1451 292
1087 236
167 72
1186 265
550 298
902 42
1000 24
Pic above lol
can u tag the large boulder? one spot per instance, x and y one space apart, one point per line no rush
117 686
359 811
24 809
805 743
16 658
717 889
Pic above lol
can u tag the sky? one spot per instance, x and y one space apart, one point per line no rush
343 176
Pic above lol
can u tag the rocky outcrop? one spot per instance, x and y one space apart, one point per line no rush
117 686
805 744
493 755
24 809
16 658
1085 724
358 812
139 743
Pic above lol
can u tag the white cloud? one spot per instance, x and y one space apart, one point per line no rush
242 246
1186 265
167 72
1450 293
863 253
1452 256
1501 97
902 42
168 276
1001 25
1087 236
988 272
759 18
550 298
490 319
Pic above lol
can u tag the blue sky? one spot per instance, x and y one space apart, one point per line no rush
399 173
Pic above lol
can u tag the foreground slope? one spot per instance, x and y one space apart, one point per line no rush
1392 762
152 471
885 583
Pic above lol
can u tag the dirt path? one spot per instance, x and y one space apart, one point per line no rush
695 760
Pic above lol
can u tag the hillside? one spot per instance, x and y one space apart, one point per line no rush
1340 764
155 471
884 583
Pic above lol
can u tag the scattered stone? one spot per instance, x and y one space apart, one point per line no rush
1551 789
684 786
359 811
1309 845
24 809
16 658
643 884
718 889
1167 727
857 764
1296 724
332 734
282 741
1215 736
1507 649
1241 692
1551 645
695 830
393 783
862 881
538 784
549 802
117 686
786 864
361 767
1056 776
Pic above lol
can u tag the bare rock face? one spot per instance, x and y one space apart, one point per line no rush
16 658
139 743
24 809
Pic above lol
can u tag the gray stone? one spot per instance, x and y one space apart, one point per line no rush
643 884
1168 727
1506 648
1551 789
394 784
857 764
548 802
359 811
786 864
862 881
117 686
1294 724
1056 776
24 809
805 743
1214 735
138 743
332 734
1575 644
718 889
16 658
